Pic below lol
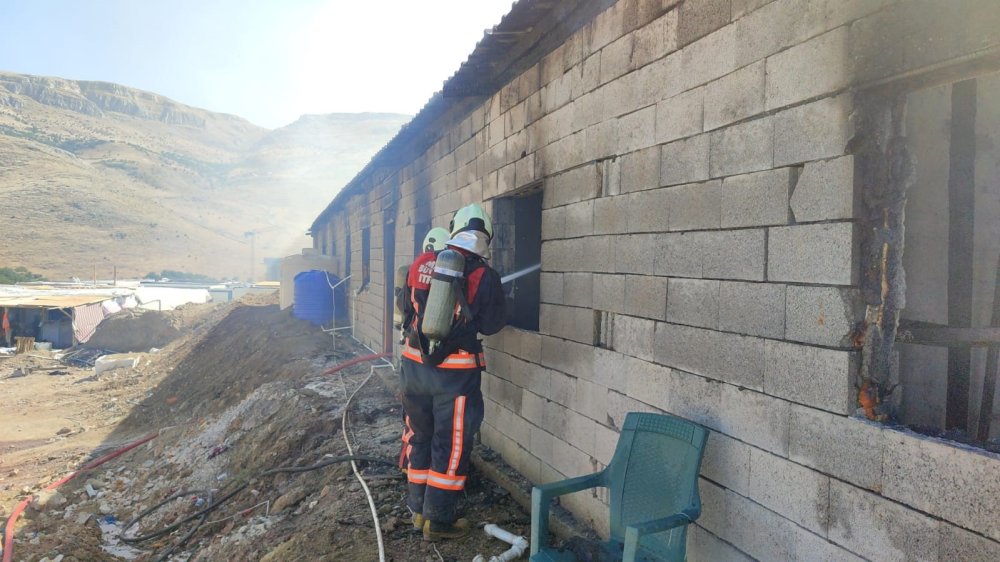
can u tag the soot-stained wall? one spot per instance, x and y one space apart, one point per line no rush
722 239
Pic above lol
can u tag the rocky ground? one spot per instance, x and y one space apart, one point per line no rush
240 393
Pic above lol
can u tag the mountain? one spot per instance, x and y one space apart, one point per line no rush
94 174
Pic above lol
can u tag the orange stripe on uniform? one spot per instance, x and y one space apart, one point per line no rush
444 481
457 434
412 353
415 476
458 360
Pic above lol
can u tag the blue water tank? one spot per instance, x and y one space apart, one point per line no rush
314 298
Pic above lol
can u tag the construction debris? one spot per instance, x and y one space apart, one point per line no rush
115 361
82 356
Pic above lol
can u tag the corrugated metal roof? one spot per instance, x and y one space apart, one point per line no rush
50 301
57 296
531 30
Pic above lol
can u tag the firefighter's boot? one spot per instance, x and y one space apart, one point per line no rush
434 532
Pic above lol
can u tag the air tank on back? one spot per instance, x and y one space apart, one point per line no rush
397 314
440 311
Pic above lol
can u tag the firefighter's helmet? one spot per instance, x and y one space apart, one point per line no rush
472 217
472 241
435 240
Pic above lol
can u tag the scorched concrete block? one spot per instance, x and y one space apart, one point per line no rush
880 529
846 448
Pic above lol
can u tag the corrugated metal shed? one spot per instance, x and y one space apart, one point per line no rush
57 296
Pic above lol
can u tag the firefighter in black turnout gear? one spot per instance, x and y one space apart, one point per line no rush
403 314
449 299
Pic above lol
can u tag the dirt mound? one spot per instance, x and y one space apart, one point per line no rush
245 394
249 346
142 330
260 299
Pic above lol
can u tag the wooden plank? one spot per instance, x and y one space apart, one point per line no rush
24 345
992 360
926 333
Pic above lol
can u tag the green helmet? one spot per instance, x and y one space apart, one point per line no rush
472 217
435 239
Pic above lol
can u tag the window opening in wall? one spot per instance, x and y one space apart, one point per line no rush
517 254
389 279
347 254
948 330
366 256
420 231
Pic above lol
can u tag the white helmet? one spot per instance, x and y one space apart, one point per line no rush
472 241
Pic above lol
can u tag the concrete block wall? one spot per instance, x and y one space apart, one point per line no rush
700 253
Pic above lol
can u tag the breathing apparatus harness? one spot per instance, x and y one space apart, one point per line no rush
447 308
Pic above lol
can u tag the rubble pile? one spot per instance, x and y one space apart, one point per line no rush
238 397
136 329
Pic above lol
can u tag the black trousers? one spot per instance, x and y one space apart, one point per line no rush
444 409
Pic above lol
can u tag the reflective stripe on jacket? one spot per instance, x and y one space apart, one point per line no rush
458 360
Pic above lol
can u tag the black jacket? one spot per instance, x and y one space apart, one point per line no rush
487 309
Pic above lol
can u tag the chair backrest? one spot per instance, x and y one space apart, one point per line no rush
654 474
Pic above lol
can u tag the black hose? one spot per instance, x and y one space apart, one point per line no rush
215 505
327 462
168 529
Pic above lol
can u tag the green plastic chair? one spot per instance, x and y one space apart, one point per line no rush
653 478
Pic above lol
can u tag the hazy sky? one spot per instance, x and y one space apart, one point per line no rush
268 61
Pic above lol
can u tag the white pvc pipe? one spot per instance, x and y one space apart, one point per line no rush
518 544
506 536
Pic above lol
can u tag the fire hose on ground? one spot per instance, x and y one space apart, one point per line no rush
8 542
357 474
8 539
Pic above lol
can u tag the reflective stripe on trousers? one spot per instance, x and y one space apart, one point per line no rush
444 409
444 481
458 426
417 476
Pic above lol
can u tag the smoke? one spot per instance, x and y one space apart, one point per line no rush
294 172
